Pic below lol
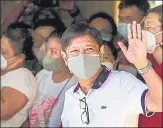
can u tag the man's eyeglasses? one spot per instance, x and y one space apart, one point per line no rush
85 114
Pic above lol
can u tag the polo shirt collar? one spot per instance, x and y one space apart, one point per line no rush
99 81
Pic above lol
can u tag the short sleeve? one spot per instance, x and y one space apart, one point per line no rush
143 99
21 80
135 91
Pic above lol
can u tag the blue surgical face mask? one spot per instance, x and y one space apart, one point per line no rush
122 29
84 66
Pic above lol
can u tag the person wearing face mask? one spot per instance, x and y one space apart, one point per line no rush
45 20
18 85
153 25
105 24
129 11
42 29
39 35
103 94
108 54
48 105
108 30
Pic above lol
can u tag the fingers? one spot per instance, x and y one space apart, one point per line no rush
144 36
123 47
129 31
134 30
139 32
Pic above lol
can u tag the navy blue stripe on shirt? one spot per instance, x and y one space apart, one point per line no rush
143 101
99 81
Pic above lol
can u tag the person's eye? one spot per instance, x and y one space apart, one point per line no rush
121 19
73 51
106 57
53 51
129 19
90 49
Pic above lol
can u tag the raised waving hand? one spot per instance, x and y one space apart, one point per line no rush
136 52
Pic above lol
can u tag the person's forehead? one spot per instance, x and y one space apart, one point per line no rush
44 30
100 23
129 11
105 49
5 42
82 40
6 46
54 42
152 17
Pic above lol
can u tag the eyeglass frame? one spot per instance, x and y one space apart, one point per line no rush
85 111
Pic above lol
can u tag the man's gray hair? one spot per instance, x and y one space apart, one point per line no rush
80 29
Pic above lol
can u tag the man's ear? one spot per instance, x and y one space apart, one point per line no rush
100 55
64 56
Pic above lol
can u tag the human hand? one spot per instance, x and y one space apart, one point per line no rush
137 50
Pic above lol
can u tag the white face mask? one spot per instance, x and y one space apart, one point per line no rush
109 65
4 62
151 41
106 35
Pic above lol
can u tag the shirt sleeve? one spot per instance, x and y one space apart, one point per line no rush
21 80
135 91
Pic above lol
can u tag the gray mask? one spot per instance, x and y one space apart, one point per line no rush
84 66
51 64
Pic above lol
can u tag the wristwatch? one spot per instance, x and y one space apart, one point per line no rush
145 69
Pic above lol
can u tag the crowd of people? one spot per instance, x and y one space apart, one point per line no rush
68 71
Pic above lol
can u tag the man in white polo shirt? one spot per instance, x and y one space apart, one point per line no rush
104 98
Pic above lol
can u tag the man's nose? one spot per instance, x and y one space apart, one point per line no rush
82 51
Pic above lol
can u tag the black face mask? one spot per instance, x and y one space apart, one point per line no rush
46 3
